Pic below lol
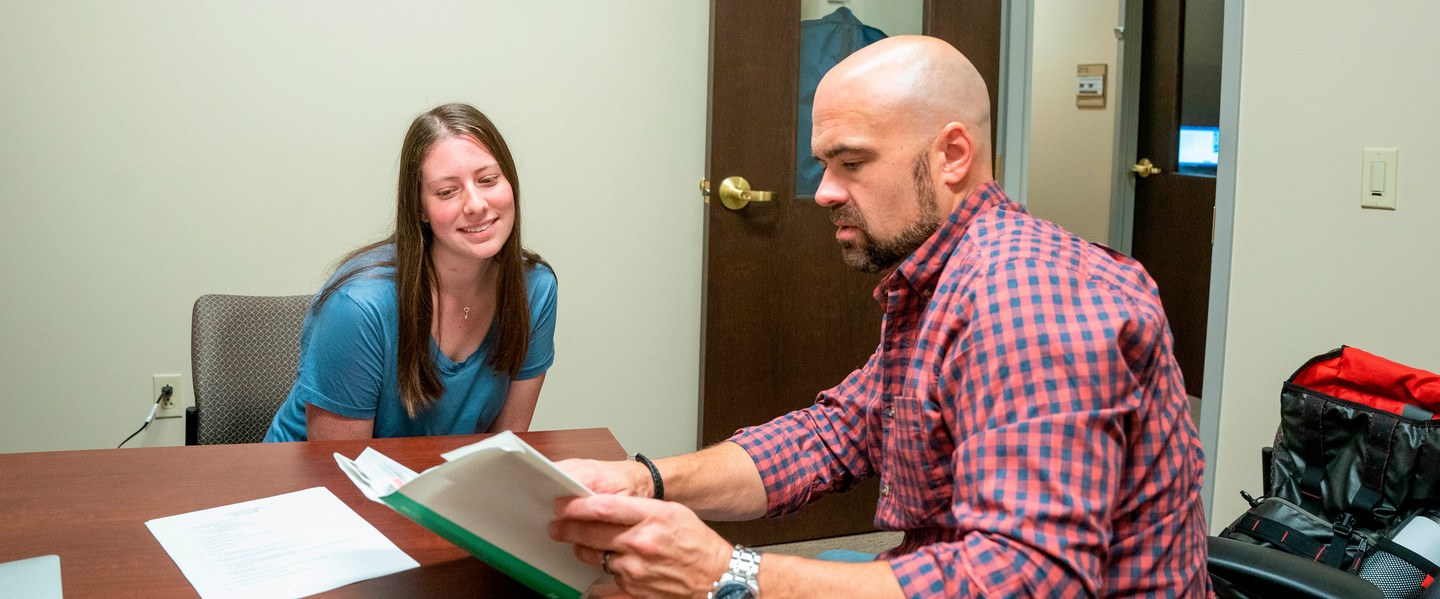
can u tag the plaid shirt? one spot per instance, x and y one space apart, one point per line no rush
1025 415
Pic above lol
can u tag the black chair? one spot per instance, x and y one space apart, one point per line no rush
243 354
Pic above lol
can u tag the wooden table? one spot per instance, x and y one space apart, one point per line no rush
90 508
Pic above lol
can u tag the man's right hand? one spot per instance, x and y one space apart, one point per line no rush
626 477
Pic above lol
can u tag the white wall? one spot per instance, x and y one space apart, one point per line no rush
1070 147
156 150
1311 269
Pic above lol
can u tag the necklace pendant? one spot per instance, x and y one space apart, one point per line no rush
467 312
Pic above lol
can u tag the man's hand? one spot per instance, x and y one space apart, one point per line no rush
658 548
611 478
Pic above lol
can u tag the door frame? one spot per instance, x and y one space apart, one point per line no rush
1224 244
1014 114
1127 125
1017 29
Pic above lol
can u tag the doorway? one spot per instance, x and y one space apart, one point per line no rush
1204 237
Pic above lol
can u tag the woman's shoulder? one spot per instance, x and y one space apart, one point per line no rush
368 278
539 277
379 257
540 287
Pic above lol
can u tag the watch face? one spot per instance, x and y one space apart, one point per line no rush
734 590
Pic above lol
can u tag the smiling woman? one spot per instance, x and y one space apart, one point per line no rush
447 326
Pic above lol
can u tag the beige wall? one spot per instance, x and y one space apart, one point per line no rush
156 150
1311 269
1070 147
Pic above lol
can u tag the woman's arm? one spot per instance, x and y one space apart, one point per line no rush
341 365
519 406
324 425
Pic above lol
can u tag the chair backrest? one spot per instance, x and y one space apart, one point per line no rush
243 355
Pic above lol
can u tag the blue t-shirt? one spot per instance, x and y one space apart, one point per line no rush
348 348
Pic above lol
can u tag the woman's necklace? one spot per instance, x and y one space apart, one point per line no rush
467 304
465 308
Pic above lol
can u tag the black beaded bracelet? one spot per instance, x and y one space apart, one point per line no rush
654 475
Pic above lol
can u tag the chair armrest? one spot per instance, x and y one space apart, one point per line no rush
192 426
1267 572
1267 458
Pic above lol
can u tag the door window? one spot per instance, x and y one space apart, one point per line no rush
1198 153
830 31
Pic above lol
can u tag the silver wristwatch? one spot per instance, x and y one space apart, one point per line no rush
741 581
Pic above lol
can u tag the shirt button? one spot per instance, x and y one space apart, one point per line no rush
889 412
885 490
927 293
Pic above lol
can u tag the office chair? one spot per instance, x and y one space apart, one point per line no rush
243 354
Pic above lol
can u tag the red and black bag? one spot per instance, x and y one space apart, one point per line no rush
1357 457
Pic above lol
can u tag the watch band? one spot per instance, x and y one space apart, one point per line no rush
744 572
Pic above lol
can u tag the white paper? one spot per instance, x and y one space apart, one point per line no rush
505 441
290 545
499 490
375 473
509 442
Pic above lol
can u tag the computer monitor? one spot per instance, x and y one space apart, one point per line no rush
1199 146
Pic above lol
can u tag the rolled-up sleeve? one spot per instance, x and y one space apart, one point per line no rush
812 452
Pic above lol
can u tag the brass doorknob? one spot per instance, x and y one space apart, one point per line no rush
735 193
1144 168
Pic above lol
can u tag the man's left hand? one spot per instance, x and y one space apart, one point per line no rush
658 548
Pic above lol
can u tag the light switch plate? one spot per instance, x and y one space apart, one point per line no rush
1379 174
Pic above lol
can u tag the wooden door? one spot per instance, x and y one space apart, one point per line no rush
1174 212
784 317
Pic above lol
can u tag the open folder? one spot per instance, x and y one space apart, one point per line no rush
494 499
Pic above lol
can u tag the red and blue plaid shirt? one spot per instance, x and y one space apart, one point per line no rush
1025 415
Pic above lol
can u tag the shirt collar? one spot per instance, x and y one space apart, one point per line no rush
923 267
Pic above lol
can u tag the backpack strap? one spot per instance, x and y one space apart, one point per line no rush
1289 539
1312 450
1372 467
1341 534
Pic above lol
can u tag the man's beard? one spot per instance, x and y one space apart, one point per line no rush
874 255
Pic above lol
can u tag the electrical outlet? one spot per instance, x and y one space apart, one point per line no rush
171 406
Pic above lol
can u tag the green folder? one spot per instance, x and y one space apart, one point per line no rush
494 499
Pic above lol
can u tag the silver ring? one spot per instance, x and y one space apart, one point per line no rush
605 562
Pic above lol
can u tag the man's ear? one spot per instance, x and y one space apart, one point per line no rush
958 150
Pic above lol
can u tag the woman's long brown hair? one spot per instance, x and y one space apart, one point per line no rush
420 386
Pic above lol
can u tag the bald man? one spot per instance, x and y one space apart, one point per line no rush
1024 411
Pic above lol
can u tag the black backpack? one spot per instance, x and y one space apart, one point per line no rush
1355 462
